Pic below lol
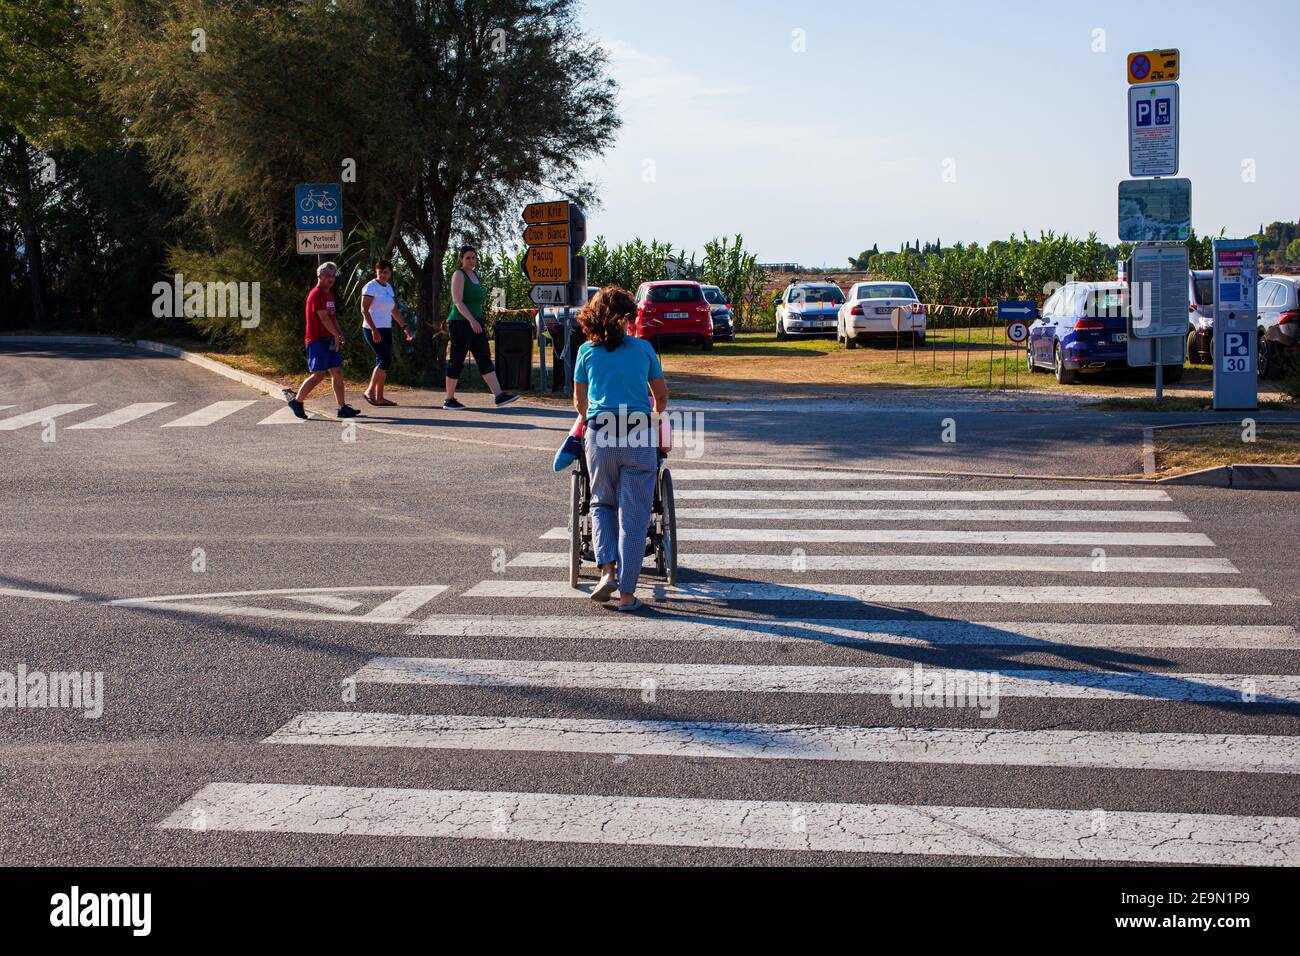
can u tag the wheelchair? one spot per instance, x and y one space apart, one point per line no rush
661 536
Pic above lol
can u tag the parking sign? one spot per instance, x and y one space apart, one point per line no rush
1153 129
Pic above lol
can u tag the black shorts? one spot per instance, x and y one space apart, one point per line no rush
463 340
383 349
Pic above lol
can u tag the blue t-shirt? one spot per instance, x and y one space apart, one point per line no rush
617 378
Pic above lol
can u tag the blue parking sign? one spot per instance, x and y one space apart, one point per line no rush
1162 112
318 206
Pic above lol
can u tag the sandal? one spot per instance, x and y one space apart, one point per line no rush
605 590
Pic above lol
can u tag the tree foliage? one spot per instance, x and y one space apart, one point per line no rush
454 113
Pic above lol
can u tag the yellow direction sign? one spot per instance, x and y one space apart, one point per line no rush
1153 66
547 234
547 264
540 212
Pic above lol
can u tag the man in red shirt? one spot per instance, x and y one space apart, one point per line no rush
324 345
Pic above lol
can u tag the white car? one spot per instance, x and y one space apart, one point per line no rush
808 308
870 310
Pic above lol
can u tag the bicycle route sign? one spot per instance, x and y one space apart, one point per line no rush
318 207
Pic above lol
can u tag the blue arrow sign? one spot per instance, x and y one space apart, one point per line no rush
318 206
1017 310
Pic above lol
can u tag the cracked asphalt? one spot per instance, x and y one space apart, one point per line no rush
764 705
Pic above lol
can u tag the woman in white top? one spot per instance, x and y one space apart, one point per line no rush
379 312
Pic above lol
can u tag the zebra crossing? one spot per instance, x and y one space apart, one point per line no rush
511 667
151 414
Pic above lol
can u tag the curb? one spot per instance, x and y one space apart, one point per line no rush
1219 476
1245 477
244 378
1266 477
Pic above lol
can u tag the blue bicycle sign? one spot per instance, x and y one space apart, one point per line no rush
318 206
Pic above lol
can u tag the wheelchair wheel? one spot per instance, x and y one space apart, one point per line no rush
668 529
575 528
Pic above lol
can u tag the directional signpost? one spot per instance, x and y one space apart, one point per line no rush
1018 314
554 232
326 243
318 218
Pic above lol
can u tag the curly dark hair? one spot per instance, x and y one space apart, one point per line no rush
603 316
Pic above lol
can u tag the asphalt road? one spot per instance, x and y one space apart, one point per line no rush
373 762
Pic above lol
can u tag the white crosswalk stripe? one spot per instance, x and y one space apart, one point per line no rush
1170 539
922 494
1043 563
851 632
891 594
1014 832
208 415
1226 753
48 413
930 514
1194 646
122 416
826 679
788 474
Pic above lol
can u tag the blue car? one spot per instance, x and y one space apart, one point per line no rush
1083 328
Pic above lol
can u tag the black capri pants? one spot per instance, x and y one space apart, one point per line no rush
383 349
464 339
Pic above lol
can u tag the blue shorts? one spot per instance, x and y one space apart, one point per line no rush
322 358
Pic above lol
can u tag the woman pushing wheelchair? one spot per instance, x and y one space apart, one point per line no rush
618 389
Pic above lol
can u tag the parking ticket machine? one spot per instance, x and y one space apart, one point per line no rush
1236 349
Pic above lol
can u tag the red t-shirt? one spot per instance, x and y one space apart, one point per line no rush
318 299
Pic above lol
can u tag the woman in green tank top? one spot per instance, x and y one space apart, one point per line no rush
465 326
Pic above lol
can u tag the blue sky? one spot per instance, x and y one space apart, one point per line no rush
817 154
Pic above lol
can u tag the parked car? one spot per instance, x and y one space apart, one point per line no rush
808 308
673 310
1277 310
1083 327
1200 321
724 318
869 311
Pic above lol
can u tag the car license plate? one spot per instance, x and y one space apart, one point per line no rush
676 315
884 310
1119 337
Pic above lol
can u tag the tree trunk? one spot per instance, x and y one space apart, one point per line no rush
27 219
428 331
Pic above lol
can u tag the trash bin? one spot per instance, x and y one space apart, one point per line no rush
514 354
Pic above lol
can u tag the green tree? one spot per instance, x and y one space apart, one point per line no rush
1293 250
453 113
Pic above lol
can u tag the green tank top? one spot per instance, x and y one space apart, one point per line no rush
474 296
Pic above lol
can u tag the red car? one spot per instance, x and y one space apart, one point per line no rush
673 310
